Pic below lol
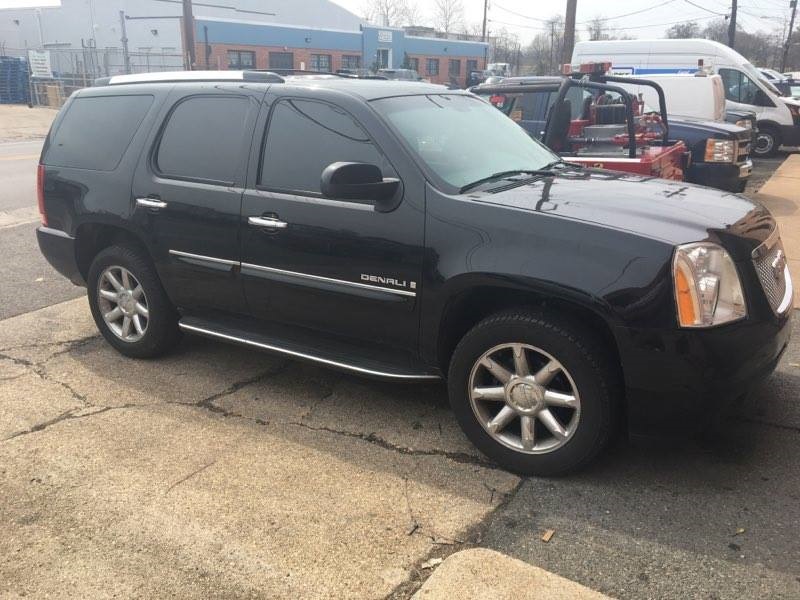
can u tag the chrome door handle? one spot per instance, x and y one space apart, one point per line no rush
268 222
150 203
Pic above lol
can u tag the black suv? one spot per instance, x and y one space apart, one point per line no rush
407 232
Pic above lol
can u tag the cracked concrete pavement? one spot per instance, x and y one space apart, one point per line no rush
218 471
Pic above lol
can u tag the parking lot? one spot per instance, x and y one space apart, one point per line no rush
218 471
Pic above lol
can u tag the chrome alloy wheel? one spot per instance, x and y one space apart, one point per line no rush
123 303
524 398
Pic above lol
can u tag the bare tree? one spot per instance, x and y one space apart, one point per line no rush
390 13
543 54
684 31
448 15
598 29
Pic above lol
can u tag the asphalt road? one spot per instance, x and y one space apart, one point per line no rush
27 281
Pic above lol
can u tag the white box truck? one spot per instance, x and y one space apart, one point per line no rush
744 87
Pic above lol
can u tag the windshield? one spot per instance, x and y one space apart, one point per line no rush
461 138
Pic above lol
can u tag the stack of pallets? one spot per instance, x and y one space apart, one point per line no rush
14 88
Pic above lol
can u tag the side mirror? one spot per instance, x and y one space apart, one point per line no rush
358 181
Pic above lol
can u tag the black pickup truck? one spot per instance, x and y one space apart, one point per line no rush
410 233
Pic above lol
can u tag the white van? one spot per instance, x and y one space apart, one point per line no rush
691 96
744 87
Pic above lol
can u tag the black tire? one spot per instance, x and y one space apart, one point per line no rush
767 143
582 355
161 332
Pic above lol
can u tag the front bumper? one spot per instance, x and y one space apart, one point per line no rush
790 135
682 379
59 250
724 176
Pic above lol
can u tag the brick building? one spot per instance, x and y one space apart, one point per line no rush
233 44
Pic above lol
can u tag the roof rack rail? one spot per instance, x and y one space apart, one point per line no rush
178 76
301 72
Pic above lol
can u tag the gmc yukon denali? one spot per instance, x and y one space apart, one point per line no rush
408 232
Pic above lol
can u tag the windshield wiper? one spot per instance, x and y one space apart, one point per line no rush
546 170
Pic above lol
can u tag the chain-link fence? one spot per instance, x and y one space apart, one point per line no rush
75 68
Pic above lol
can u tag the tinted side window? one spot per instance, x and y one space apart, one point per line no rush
95 132
304 137
204 139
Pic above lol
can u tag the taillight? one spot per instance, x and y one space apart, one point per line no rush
40 193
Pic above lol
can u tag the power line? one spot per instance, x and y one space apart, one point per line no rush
516 14
636 12
706 9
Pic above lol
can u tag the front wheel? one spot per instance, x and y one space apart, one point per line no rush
534 392
767 142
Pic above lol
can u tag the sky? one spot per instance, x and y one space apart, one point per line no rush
525 17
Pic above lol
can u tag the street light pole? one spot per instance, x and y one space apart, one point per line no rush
732 24
188 36
485 8
126 57
793 4
569 31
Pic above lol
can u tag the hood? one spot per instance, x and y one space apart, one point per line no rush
791 100
717 127
669 211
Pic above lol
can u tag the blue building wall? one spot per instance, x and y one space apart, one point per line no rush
366 42
252 34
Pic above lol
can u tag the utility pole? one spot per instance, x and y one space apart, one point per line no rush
793 4
732 24
569 32
126 57
188 36
485 8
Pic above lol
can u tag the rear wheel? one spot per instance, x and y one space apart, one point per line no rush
768 140
129 304
533 392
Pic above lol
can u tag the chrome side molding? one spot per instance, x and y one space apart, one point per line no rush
305 356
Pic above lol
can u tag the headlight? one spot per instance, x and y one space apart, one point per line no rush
746 123
720 150
707 287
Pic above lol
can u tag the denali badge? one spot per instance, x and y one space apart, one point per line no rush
401 283
778 266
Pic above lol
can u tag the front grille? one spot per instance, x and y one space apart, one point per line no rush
744 151
771 268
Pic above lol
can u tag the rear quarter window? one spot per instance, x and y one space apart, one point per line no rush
95 131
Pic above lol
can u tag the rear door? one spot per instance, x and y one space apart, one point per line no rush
187 192
340 267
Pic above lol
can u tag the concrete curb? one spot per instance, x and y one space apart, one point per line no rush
780 195
481 573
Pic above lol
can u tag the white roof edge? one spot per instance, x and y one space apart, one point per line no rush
176 76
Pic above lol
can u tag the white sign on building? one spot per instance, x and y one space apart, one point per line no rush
384 37
39 61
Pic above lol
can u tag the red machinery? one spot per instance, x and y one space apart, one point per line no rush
589 121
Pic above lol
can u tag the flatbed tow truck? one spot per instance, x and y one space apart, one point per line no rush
588 120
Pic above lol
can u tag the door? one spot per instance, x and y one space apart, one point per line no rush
742 93
339 267
384 58
187 193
